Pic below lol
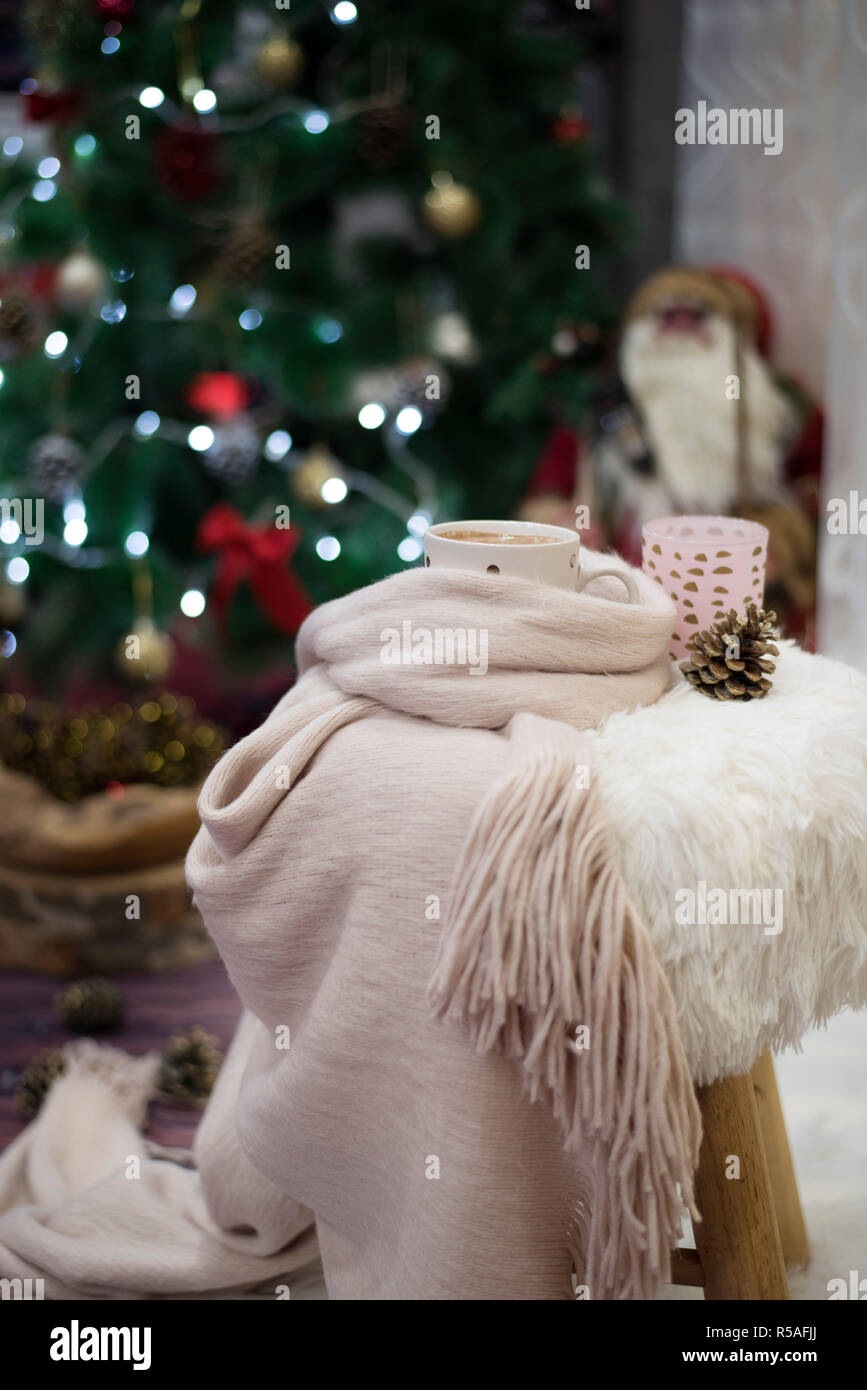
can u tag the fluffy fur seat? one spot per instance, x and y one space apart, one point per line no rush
769 795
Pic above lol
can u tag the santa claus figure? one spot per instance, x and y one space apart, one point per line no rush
702 424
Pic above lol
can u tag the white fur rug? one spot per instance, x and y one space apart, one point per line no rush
768 795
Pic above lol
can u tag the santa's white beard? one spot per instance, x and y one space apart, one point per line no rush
678 383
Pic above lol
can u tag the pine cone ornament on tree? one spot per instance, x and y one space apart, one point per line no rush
234 455
382 136
56 463
48 23
20 323
189 1065
91 1006
37 1078
731 660
419 381
249 247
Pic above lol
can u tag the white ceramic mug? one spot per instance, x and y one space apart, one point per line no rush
556 561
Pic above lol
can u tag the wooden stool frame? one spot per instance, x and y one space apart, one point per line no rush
752 1225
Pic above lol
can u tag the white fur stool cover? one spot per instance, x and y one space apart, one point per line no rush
709 802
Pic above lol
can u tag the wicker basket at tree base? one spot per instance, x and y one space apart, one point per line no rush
69 875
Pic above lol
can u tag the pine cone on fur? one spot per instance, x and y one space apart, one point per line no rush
731 660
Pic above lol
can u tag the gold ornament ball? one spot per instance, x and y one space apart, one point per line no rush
81 280
306 481
280 61
451 209
145 653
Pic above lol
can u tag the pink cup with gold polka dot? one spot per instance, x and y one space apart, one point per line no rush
707 565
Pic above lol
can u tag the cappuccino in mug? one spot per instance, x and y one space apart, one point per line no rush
521 549
498 538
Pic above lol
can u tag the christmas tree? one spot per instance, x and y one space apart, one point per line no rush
279 286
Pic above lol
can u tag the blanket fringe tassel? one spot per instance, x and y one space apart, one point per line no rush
546 961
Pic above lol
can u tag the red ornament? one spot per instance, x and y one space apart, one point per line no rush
187 163
219 394
259 556
569 129
115 9
59 106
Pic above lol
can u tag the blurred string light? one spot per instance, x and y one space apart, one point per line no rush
151 97
371 416
408 420
328 330
75 531
182 301
136 543
109 45
418 523
344 12
410 548
250 319
147 424
115 312
277 445
328 547
48 168
74 511
200 438
27 86
205 100
9 531
84 145
2 376
56 344
17 570
122 274
316 121
333 490
44 190
193 603
7 643
12 146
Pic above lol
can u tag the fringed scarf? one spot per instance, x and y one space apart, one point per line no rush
395 767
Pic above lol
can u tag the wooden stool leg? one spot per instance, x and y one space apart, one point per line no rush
784 1187
737 1240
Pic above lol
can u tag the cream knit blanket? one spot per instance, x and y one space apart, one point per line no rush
404 826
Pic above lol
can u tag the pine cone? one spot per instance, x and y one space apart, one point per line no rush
91 1006
382 136
189 1065
234 455
56 463
37 1078
20 323
248 248
731 660
48 23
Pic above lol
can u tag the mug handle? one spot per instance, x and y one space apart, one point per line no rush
624 576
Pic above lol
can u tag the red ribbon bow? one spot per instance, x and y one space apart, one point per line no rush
257 555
